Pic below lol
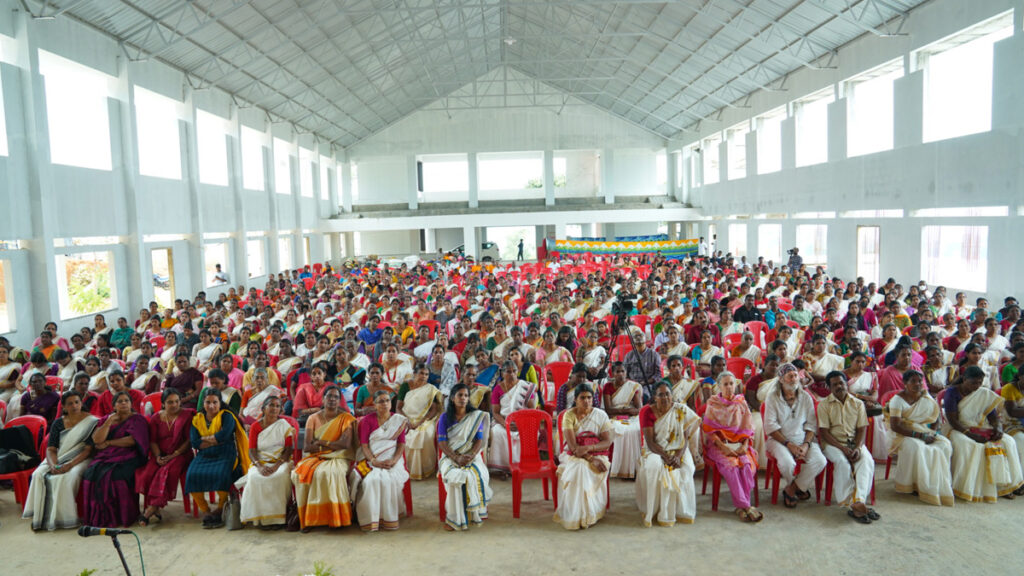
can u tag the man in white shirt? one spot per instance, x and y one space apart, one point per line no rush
220 277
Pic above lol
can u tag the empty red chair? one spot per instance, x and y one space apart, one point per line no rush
307 283
530 465
37 426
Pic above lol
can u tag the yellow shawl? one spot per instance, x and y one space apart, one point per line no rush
241 440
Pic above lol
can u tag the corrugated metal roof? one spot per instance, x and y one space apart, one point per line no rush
347 70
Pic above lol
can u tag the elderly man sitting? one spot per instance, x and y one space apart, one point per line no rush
842 426
790 424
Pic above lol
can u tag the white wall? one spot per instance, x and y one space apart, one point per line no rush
46 201
985 169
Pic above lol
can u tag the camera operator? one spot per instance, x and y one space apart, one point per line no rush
645 368
795 260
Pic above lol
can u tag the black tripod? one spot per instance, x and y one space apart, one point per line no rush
623 319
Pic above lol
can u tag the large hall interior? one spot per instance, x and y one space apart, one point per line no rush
279 277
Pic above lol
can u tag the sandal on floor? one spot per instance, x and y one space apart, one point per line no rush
862 519
788 501
744 515
873 515
756 514
143 520
803 494
1019 491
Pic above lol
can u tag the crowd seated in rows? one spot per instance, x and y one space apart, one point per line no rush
342 385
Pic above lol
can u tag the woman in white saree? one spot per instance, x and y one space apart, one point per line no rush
864 386
622 400
205 352
509 395
923 463
985 462
420 403
583 465
683 388
461 433
261 390
380 474
820 362
268 484
10 377
51 496
664 474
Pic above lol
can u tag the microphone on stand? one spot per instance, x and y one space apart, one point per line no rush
86 531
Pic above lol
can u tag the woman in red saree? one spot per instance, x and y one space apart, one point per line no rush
169 455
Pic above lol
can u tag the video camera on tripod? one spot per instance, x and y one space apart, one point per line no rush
622 306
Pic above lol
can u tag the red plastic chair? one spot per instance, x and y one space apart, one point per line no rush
55 382
608 479
641 321
689 365
619 353
154 402
773 477
830 468
559 372
758 329
716 476
442 495
885 402
432 324
732 339
739 368
530 465
3 411
37 426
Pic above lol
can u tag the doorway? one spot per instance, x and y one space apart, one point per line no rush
162 260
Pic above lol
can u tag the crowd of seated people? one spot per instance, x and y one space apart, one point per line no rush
320 395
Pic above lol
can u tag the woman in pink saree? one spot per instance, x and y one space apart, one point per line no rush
728 432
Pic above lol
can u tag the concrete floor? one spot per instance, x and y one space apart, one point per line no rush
911 538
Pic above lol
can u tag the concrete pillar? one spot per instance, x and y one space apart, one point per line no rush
346 184
751 144
560 231
539 235
671 158
349 241
474 181
688 175
414 194
42 196
430 235
607 175
908 110
609 232
270 261
137 266
1008 81
837 130
723 160
238 264
470 241
549 178
190 152
788 129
